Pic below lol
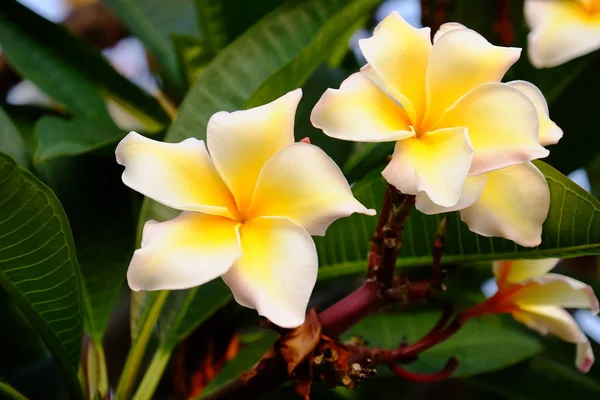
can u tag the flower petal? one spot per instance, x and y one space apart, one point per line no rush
515 271
555 320
399 53
502 123
460 61
242 142
514 205
303 184
436 164
360 111
278 271
549 132
445 28
184 252
558 290
560 32
178 175
471 191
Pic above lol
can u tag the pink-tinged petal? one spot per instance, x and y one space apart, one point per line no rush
471 191
241 142
303 184
360 111
514 205
399 53
445 28
178 175
557 290
437 164
558 322
502 123
515 271
560 32
277 272
460 61
184 252
549 132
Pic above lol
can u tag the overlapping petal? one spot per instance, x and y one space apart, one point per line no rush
471 191
277 271
303 184
560 31
241 142
549 132
445 28
514 205
184 252
399 53
460 61
178 175
502 123
514 271
361 111
437 164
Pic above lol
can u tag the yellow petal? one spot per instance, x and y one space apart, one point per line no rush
515 271
436 164
445 28
178 175
360 111
460 61
557 290
514 205
184 252
241 142
399 53
560 32
549 132
303 184
555 320
471 191
277 272
502 124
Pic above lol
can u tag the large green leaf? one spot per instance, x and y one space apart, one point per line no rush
154 21
11 141
38 265
571 229
475 345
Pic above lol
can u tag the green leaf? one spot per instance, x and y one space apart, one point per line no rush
295 73
571 229
212 23
153 22
67 70
476 345
38 266
11 141
193 56
368 157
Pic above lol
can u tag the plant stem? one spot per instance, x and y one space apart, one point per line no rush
153 374
138 349
166 104
103 387
10 392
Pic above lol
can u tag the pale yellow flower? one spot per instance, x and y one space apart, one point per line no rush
249 209
561 30
443 103
537 299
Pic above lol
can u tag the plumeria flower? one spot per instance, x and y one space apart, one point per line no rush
442 103
249 208
561 30
537 299
511 202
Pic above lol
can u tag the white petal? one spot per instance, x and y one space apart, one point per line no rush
471 191
184 252
560 32
549 132
515 271
445 28
278 271
436 164
514 205
178 175
303 184
242 142
502 123
360 111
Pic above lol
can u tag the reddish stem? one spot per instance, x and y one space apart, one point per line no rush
448 370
